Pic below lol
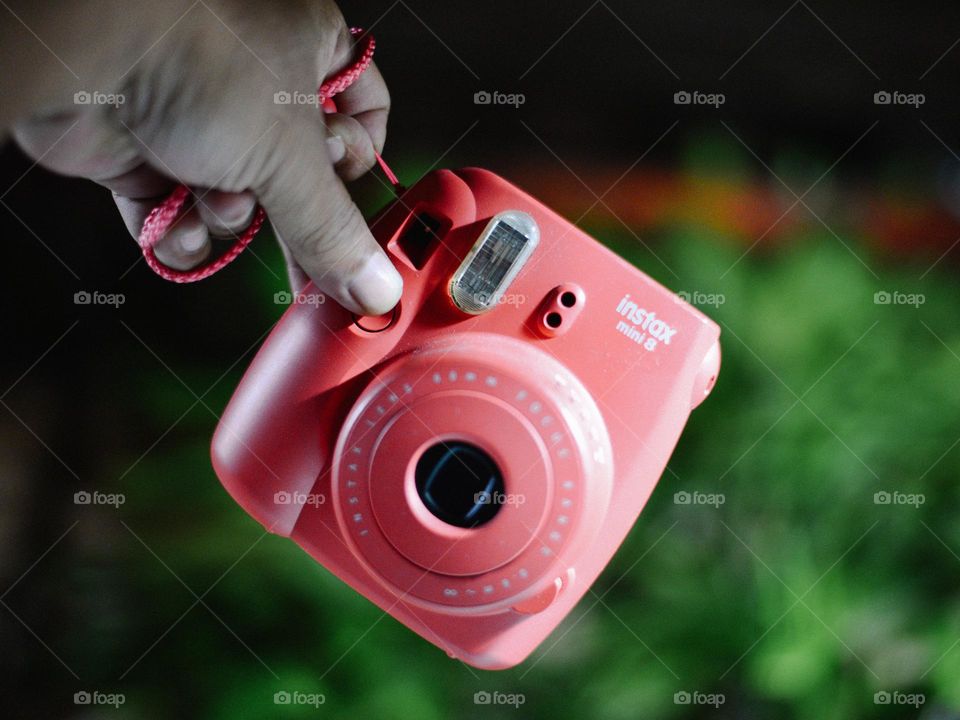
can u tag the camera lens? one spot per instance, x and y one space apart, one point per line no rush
459 483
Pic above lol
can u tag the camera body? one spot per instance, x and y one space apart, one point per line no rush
471 461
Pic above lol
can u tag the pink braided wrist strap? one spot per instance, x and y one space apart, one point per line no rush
166 214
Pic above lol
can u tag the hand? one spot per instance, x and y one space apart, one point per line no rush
204 106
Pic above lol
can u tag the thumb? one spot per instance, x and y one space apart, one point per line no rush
317 220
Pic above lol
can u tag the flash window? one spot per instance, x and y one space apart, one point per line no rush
501 251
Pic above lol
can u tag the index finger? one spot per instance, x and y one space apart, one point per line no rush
367 100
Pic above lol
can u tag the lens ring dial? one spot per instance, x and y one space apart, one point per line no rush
537 422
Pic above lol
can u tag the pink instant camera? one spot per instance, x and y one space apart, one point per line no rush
472 460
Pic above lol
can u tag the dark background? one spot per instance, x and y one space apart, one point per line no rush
699 599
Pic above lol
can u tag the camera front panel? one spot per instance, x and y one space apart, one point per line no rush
463 479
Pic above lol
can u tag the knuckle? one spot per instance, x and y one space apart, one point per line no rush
360 158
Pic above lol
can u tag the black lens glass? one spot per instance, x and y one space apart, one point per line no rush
459 483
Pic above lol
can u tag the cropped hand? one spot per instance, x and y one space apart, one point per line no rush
221 96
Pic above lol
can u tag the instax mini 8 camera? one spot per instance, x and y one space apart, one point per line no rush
471 460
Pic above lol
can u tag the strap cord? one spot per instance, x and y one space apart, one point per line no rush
166 214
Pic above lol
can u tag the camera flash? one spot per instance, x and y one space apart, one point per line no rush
501 251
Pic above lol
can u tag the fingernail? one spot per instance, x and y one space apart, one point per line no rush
238 215
193 242
377 287
336 148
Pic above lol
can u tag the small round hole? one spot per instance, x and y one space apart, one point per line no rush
568 299
553 320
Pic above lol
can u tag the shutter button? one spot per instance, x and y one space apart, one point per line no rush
377 323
